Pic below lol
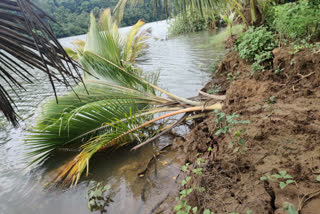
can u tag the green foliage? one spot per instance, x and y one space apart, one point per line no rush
224 123
221 37
228 18
254 42
278 70
301 44
97 196
296 20
270 100
232 77
183 207
191 21
207 211
213 67
238 142
290 208
214 89
283 178
73 16
256 45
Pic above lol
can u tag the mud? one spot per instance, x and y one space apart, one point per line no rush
283 106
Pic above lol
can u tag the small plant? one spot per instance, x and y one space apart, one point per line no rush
238 142
256 66
283 178
224 122
278 70
299 45
183 207
228 19
214 89
290 208
98 200
207 211
232 77
255 45
270 100
213 67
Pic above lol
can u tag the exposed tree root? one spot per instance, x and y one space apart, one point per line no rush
161 133
306 198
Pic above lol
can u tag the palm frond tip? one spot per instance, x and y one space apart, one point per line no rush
27 41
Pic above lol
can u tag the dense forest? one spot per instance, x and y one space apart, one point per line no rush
72 16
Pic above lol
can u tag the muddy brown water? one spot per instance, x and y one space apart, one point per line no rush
182 62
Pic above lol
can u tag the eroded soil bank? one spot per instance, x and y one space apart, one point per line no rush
283 107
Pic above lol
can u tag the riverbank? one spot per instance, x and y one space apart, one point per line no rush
282 105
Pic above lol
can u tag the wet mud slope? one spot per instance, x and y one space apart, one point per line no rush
283 107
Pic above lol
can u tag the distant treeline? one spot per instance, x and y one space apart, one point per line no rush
72 16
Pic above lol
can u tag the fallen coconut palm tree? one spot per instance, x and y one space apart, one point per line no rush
119 109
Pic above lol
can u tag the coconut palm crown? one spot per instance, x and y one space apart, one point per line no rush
118 110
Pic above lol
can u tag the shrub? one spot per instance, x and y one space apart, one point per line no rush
255 45
295 20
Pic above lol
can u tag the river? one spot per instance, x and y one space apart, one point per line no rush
182 62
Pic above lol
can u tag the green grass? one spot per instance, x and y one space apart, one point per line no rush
221 37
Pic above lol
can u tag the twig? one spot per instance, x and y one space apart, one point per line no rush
306 198
216 97
197 116
303 77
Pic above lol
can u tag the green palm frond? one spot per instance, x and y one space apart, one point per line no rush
72 170
26 41
207 8
62 124
134 43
